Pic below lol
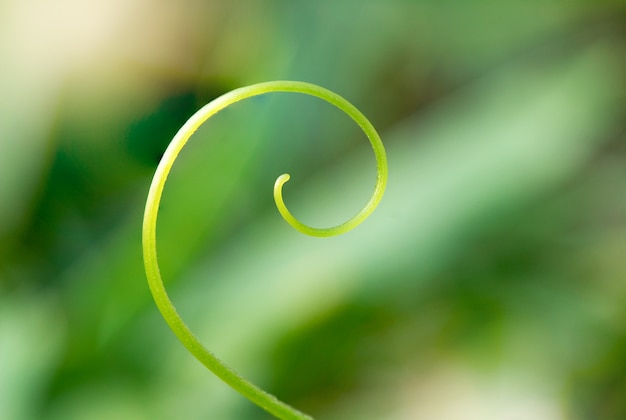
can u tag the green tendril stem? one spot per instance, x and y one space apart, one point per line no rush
263 399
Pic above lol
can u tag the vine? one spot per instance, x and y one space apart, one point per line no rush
263 399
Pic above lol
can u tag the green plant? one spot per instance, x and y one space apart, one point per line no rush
163 302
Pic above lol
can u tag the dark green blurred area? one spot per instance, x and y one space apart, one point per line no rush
489 284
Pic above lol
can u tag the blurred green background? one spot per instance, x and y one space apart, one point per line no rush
489 284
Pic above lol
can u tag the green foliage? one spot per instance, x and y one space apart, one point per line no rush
488 283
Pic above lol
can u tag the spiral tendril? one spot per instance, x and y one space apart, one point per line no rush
263 399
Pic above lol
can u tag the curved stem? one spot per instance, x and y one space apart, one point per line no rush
163 302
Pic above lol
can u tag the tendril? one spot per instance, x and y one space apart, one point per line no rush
263 399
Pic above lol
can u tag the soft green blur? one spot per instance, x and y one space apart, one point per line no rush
490 283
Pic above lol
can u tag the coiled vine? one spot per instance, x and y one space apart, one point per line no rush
263 399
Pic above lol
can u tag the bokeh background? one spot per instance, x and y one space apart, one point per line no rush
489 284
